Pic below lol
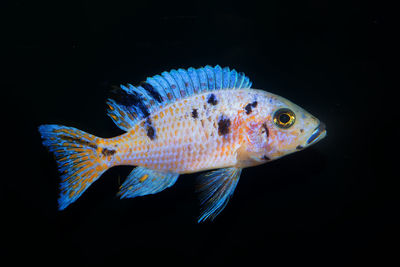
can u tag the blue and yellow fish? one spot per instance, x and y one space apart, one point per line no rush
184 121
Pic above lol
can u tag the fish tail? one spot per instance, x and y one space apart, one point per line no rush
77 160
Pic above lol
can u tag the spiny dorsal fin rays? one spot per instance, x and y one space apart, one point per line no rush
144 96
218 77
194 79
136 103
187 82
161 86
173 84
211 77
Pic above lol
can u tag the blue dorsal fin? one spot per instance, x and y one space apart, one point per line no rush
188 85
202 80
195 80
218 77
226 77
210 77
133 103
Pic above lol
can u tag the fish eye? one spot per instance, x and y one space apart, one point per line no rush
284 118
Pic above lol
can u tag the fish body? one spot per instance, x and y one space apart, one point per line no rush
180 122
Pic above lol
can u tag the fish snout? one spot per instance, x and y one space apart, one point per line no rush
318 134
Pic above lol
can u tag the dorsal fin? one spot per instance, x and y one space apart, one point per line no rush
131 103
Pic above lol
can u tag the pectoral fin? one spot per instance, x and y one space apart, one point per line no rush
216 188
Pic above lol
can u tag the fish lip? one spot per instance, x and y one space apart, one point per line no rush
317 134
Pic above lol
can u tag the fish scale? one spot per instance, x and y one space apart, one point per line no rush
184 144
183 121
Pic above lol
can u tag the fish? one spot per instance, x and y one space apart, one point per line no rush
206 119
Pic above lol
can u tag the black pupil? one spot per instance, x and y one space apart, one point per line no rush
284 118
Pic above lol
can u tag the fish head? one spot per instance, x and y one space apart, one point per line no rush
281 128
290 127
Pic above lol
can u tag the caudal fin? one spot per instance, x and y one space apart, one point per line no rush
77 159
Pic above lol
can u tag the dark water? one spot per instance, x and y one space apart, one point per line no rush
329 204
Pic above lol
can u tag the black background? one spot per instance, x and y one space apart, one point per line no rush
329 204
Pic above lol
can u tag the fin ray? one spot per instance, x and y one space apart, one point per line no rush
216 188
133 103
218 77
143 181
77 160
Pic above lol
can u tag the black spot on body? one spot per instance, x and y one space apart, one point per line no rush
299 147
195 115
151 132
107 152
212 100
249 107
223 125
266 131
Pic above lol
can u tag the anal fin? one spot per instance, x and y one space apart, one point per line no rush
142 181
216 188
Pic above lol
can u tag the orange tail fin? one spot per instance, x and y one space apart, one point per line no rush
77 159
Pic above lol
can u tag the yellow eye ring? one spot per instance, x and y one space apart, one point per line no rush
284 118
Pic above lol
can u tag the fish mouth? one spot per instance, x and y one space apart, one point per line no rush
317 134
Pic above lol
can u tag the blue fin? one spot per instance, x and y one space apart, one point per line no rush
77 159
142 181
202 79
218 78
216 188
210 77
188 84
135 103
